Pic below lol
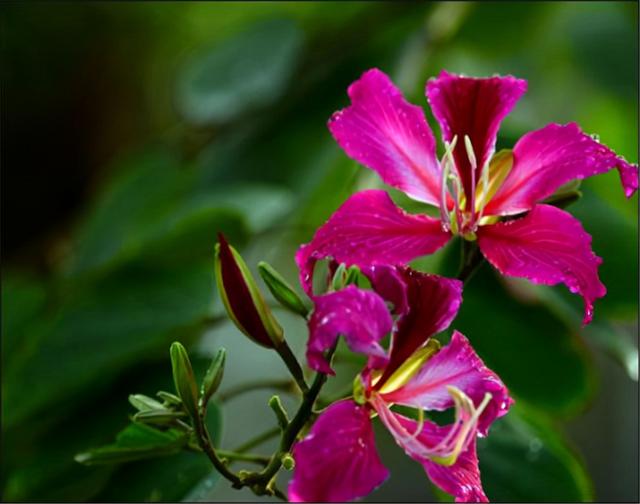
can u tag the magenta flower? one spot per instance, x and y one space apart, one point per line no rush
473 189
338 460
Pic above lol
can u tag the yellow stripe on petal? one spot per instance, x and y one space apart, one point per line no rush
411 366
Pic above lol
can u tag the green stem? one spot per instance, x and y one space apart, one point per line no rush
204 440
286 386
290 434
246 457
292 364
470 260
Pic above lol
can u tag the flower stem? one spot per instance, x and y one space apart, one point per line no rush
289 435
292 364
287 386
471 259
246 457
204 440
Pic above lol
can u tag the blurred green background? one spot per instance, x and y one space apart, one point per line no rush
132 132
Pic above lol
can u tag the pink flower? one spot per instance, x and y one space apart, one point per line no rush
338 460
474 189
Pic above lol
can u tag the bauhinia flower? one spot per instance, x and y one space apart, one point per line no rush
494 199
338 460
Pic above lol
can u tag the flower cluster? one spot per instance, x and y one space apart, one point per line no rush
499 200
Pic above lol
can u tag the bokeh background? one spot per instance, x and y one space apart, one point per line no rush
132 132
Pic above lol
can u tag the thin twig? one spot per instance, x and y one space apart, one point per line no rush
287 386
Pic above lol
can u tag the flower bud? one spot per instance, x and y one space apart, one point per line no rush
281 290
184 379
242 298
213 377
288 462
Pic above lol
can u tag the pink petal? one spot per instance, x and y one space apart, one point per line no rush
369 229
389 282
462 479
337 461
455 364
360 316
473 107
433 303
549 157
547 246
384 132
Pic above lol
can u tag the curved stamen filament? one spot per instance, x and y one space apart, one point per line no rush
474 165
447 164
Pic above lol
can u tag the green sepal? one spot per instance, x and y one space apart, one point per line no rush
213 377
184 379
281 289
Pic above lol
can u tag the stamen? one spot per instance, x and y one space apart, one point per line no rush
447 164
470 154
474 165
467 417
420 425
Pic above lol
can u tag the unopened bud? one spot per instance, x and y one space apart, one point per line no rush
339 277
288 462
281 290
184 379
242 298
352 275
213 377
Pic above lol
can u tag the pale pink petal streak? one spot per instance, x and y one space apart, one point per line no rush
337 461
474 107
547 246
549 157
360 316
461 479
384 132
369 229
458 365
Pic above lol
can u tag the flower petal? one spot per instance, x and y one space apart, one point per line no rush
549 157
461 479
337 461
384 132
361 316
547 246
456 364
388 281
369 229
473 107
433 303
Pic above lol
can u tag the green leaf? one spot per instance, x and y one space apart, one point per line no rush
149 207
167 479
246 72
136 442
525 459
100 330
539 357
